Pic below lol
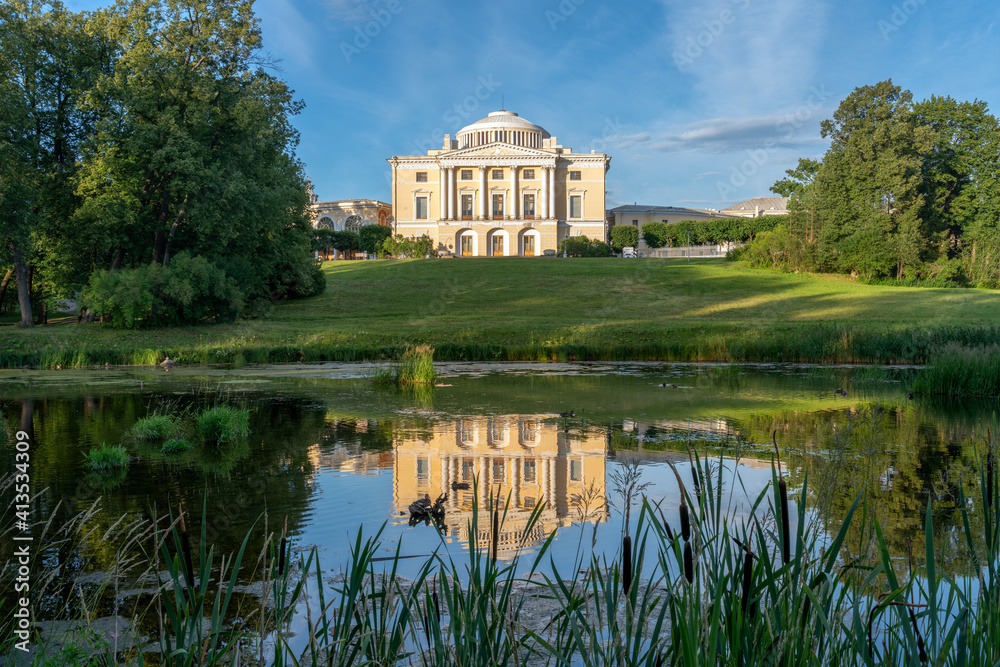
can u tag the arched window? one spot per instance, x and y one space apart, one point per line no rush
325 223
353 223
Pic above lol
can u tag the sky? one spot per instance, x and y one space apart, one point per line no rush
699 104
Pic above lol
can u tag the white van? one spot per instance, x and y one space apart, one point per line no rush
628 251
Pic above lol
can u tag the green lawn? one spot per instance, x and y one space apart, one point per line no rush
542 308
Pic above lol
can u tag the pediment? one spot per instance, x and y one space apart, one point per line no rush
495 150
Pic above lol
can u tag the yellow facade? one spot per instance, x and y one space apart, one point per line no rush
521 458
502 187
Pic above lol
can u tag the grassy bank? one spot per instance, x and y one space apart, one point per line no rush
543 309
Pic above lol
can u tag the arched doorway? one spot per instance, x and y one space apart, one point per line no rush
497 243
530 242
466 243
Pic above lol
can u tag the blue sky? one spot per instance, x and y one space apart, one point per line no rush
699 103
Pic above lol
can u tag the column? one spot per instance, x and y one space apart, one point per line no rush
552 192
552 482
484 484
482 193
543 194
450 175
515 482
543 481
445 475
513 206
443 192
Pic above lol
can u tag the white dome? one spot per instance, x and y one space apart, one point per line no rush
502 126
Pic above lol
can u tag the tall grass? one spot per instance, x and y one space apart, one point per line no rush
157 426
223 424
414 367
106 457
960 370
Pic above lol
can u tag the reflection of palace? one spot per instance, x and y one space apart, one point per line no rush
520 456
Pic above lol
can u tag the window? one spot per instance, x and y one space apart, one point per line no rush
529 207
468 431
575 206
576 470
421 208
530 470
498 174
574 176
421 177
466 174
529 430
468 469
529 251
497 251
466 207
528 502
528 174
498 207
635 222
498 468
423 469
467 249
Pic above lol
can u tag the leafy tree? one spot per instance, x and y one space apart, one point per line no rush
371 237
654 234
401 246
345 241
624 236
798 179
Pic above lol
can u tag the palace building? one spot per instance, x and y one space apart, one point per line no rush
501 187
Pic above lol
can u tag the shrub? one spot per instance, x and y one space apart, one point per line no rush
107 457
581 246
223 424
654 234
624 236
371 238
400 246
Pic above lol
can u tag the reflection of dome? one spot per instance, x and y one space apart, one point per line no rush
503 126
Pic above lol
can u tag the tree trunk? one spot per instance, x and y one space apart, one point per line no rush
23 295
161 223
173 231
116 263
3 286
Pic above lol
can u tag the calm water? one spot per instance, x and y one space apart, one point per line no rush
330 454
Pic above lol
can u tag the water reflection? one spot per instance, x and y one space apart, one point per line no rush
519 457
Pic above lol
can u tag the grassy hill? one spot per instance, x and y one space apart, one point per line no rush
545 308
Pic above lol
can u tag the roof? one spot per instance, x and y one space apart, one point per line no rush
762 203
642 208
503 120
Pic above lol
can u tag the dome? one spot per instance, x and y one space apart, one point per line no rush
502 126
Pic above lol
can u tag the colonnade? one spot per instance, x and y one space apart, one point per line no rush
513 478
545 209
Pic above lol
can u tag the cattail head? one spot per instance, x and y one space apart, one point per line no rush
688 563
747 581
685 518
626 564
786 544
496 532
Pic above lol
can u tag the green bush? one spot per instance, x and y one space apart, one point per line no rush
106 457
624 236
400 246
223 424
188 290
371 238
717 230
654 234
581 246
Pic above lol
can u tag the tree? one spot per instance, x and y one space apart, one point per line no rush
371 237
581 246
654 234
345 241
624 236
798 179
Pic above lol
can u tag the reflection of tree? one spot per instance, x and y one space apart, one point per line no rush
896 459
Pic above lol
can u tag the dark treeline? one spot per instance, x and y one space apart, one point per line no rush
138 136
906 192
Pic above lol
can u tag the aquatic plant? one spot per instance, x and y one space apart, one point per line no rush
960 370
223 424
157 426
106 457
414 367
176 447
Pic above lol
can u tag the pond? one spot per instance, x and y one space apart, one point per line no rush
329 454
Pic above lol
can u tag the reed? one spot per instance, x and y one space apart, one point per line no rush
414 367
961 370
157 426
178 446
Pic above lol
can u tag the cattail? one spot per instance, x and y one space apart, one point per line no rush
186 546
659 660
694 474
688 563
786 544
434 599
989 478
747 582
922 652
685 522
666 525
626 564
496 532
